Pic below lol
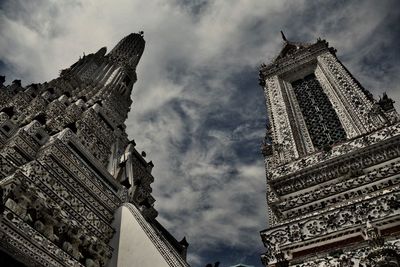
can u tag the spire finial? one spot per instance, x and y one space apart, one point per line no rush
283 36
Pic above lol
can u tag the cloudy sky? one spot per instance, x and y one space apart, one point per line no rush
198 111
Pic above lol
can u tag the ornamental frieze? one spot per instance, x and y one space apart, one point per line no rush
84 175
343 167
358 257
337 186
314 160
375 207
81 205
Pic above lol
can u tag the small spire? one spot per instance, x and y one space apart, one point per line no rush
183 242
141 33
283 36
132 142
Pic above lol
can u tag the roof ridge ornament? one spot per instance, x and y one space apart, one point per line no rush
283 36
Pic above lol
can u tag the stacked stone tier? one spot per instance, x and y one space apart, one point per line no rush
325 199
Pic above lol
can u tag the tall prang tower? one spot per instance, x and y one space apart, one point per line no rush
332 157
73 189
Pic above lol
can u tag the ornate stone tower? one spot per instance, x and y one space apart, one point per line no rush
73 189
332 157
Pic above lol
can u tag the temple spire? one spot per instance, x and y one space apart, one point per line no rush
316 111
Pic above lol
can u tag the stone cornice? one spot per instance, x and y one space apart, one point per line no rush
322 158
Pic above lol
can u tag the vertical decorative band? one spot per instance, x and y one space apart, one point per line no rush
359 107
298 123
284 145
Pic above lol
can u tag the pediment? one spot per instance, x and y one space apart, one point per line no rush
290 48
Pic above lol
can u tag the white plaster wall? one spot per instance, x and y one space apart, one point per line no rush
132 247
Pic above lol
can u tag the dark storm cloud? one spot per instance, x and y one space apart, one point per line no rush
198 111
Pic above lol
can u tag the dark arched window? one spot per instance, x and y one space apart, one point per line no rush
321 119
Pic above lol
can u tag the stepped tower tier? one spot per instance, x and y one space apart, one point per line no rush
73 189
332 155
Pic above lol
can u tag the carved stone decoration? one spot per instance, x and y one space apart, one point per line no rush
284 146
380 254
332 164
